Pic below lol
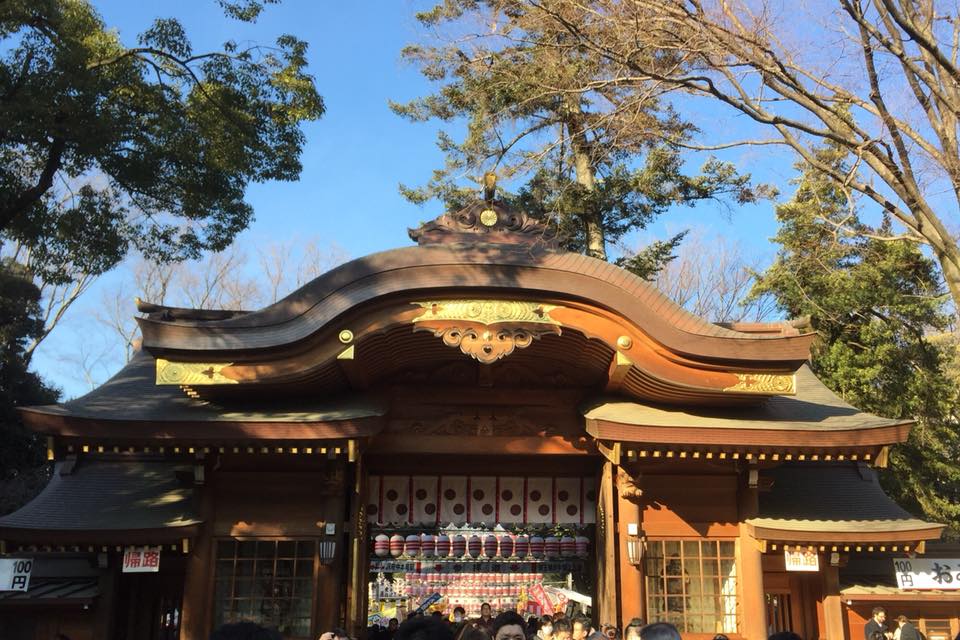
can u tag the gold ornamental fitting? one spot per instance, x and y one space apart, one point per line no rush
346 336
488 217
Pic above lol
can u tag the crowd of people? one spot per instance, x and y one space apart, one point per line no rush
510 625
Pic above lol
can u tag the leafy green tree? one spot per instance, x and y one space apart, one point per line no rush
536 106
22 470
106 147
876 304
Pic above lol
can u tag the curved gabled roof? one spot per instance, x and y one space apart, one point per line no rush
470 269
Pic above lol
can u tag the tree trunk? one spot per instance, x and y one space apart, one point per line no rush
583 167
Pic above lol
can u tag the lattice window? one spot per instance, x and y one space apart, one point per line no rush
269 582
935 629
693 584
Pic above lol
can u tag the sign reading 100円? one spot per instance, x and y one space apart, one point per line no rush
927 573
15 574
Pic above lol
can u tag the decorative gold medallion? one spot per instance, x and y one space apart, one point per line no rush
764 383
486 312
488 217
192 373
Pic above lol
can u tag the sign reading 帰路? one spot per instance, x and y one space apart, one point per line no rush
927 573
141 560
801 560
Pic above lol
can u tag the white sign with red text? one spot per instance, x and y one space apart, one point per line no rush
801 560
141 560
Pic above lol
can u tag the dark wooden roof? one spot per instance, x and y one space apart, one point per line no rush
108 500
814 408
834 502
131 405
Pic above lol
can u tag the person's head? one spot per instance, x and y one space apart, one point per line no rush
244 631
340 633
459 613
546 627
880 614
423 628
533 625
485 610
509 625
581 628
562 629
659 631
785 635
721 636
473 631
902 620
610 632
393 624
632 630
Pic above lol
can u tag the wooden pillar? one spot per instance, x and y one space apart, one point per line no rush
753 605
330 583
832 605
197 616
608 596
357 576
631 578
105 610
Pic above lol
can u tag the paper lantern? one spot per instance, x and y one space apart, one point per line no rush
583 546
458 546
474 546
568 546
412 546
522 546
443 545
506 546
490 546
536 546
396 545
428 545
551 546
381 546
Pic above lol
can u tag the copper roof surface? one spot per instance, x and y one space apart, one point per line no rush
813 408
108 496
491 269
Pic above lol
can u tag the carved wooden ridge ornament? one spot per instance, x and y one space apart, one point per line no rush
192 373
486 222
487 330
764 383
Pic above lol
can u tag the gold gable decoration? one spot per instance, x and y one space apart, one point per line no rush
487 312
764 383
192 373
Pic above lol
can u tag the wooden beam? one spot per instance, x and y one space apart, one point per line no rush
352 369
619 368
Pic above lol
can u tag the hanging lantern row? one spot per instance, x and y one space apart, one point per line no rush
491 546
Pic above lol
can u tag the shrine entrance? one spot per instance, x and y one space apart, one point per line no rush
517 541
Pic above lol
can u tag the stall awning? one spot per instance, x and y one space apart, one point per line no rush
52 592
108 502
834 504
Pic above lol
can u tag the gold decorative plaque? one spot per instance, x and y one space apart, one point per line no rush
765 383
192 373
488 217
487 312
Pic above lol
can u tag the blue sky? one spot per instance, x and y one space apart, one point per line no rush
359 152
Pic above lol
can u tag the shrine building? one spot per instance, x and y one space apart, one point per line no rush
480 417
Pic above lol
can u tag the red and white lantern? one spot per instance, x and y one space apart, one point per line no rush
490 546
396 545
412 546
522 546
443 545
583 546
458 546
551 546
381 546
474 546
428 545
568 546
506 546
536 546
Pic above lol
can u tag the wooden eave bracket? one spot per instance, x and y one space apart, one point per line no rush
620 366
611 452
